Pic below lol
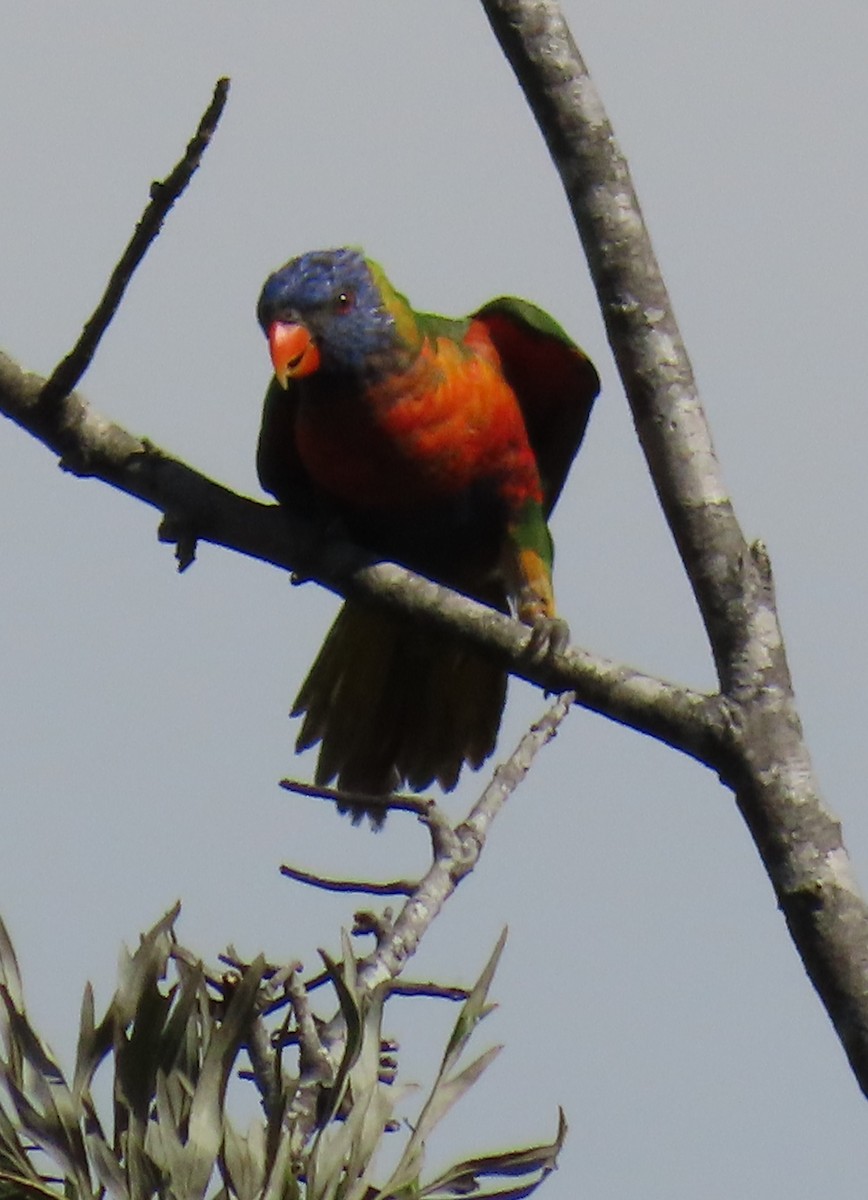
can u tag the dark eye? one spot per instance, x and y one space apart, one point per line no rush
343 302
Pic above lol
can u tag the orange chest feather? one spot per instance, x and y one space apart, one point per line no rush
447 424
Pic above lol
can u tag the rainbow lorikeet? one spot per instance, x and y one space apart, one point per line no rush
443 445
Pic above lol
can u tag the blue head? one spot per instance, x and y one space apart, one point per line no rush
332 311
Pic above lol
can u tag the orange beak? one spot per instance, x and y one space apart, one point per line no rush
293 351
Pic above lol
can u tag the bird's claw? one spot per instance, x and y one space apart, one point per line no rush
549 636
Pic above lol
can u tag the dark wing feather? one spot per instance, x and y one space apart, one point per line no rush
278 464
555 382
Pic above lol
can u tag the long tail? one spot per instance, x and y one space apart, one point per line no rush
395 705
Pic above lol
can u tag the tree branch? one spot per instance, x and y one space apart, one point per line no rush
398 887
766 760
70 369
388 803
455 854
635 305
458 854
91 445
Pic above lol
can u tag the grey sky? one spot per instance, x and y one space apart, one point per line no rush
648 985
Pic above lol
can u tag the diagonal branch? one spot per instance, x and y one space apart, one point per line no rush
635 305
456 853
70 369
459 852
767 764
91 445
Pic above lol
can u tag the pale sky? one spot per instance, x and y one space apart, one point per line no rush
649 985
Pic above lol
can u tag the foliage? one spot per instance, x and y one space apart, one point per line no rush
173 1035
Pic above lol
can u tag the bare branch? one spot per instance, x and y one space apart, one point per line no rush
764 757
635 305
69 370
92 445
437 991
510 774
455 854
455 858
419 805
399 887
455 862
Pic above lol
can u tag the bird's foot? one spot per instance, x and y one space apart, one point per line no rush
549 636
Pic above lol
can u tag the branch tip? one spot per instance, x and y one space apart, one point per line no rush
162 195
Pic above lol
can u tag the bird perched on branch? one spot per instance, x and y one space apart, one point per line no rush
441 444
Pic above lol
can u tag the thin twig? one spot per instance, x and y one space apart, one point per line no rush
447 871
399 802
510 774
455 854
70 369
399 887
437 991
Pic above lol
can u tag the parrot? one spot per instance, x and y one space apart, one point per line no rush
438 443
